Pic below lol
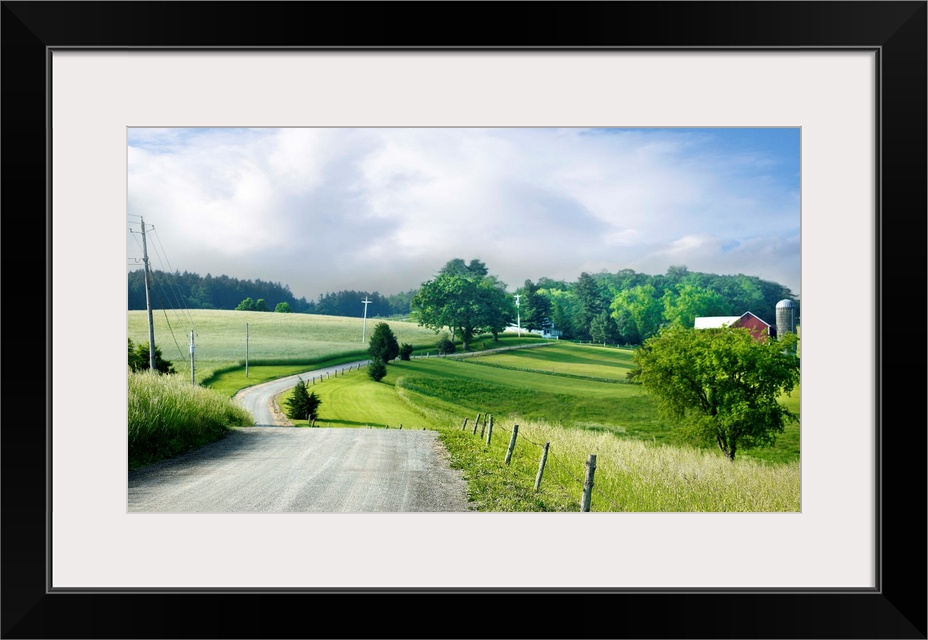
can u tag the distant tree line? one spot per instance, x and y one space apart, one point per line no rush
625 307
191 291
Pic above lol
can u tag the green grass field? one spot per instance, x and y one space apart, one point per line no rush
574 397
562 384
273 338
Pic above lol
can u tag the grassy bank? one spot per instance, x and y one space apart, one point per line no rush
168 415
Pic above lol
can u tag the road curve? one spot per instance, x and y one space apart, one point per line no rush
277 468
259 399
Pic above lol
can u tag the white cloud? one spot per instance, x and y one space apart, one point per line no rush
384 209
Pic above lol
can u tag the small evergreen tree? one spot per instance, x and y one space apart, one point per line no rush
384 345
405 351
377 369
303 405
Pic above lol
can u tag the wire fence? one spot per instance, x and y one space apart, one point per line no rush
564 477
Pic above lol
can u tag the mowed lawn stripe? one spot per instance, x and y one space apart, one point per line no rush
594 362
540 382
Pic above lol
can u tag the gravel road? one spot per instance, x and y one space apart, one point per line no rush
285 469
276 468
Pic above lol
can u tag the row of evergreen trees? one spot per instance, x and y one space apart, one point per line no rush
191 291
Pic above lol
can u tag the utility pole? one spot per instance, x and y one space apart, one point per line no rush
151 326
193 375
365 302
518 315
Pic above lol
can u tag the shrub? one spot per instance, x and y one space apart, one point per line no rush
405 351
377 369
140 359
303 405
445 346
246 305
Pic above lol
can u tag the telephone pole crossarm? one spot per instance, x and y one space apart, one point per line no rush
365 302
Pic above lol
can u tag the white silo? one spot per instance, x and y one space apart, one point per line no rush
786 317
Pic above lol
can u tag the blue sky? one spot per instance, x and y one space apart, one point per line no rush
325 209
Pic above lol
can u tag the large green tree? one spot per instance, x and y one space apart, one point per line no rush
465 299
497 306
721 384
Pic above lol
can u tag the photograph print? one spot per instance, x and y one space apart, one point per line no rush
371 320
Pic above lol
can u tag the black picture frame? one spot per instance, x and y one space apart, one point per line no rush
895 609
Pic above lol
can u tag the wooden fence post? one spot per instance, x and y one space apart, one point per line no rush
476 423
588 483
490 430
512 443
541 465
464 426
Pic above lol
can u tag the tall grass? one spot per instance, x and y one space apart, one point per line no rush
634 475
169 415
630 475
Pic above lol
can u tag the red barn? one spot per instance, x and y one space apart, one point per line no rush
758 328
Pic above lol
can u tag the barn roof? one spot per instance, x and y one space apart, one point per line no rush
761 320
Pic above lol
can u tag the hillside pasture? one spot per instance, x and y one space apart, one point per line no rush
516 387
636 471
273 338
